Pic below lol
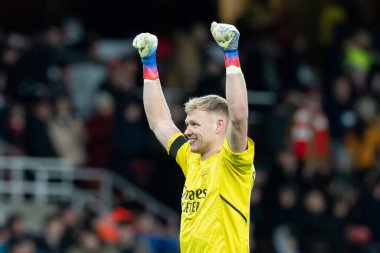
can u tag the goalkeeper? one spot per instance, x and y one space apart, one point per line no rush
214 153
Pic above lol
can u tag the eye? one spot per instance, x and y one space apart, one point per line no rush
192 124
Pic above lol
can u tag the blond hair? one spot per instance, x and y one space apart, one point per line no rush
209 103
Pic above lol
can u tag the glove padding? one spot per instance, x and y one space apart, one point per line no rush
227 36
146 44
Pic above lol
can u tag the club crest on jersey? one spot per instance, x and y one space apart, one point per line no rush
204 174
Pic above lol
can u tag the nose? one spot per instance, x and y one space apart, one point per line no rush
188 131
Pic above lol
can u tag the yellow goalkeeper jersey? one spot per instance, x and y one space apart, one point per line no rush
215 199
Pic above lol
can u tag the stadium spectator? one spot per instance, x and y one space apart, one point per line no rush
67 132
50 240
99 128
38 141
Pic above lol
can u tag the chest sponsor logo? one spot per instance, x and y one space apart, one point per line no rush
192 199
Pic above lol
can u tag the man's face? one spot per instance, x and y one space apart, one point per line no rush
201 130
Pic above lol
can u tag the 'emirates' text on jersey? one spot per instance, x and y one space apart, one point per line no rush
215 199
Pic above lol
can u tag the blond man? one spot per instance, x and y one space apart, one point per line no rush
214 153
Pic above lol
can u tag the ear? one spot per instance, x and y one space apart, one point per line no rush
220 125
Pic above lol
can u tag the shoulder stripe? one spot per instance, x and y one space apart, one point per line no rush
177 144
233 207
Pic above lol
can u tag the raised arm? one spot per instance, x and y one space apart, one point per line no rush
227 37
155 106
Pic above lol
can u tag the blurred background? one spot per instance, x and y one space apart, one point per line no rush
80 170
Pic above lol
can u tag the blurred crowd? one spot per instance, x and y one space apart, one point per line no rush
67 92
123 230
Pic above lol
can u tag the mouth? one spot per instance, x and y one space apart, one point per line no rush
192 140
